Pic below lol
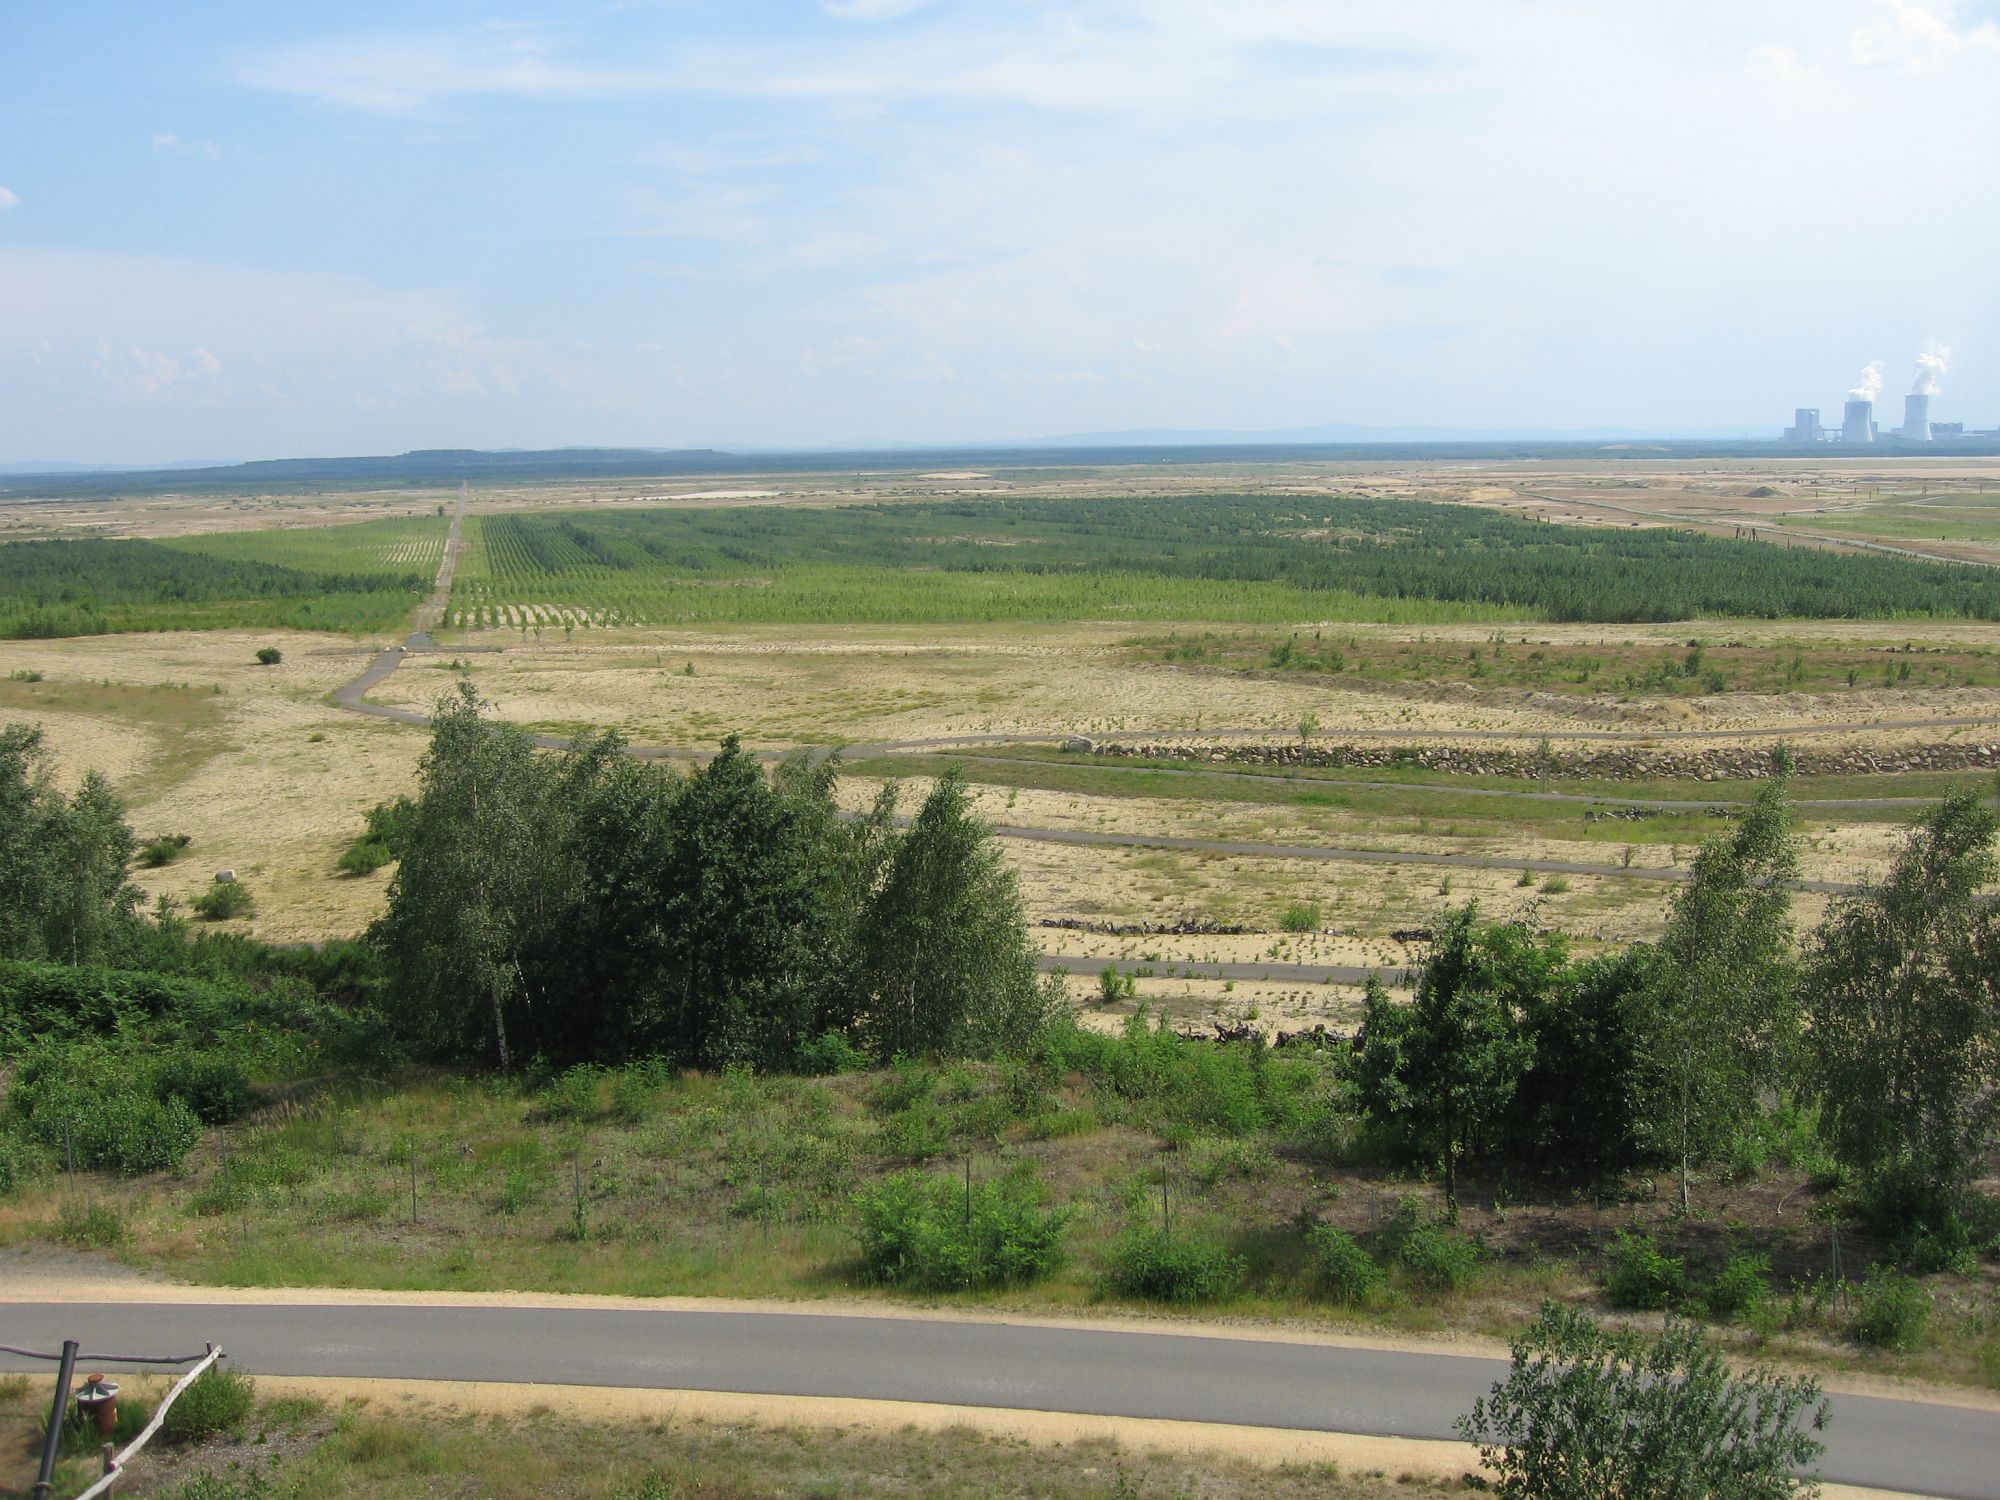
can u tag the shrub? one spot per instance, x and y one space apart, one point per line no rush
90 1226
219 1402
163 850
224 900
1342 1269
574 1095
1589 1411
269 656
211 1084
830 1053
20 1164
1300 917
115 1129
1739 1288
1151 1263
363 857
1438 1260
1890 1311
1638 1276
924 1230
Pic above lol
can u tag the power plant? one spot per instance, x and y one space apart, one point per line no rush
1857 417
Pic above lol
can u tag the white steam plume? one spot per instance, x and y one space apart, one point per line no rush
1931 365
1871 382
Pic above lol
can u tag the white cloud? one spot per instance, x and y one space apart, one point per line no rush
166 140
8 200
871 10
1921 38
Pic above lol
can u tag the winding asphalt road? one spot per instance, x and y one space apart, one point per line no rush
1905 1445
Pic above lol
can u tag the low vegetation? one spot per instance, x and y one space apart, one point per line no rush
623 1029
1213 557
90 586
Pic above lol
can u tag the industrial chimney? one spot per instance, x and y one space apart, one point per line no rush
1917 418
1858 425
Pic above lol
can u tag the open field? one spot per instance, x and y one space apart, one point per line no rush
1093 605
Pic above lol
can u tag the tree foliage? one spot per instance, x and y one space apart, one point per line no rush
1440 1074
1587 1413
1902 989
1718 1021
585 906
63 860
945 964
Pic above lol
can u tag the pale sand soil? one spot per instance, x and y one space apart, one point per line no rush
245 779
784 687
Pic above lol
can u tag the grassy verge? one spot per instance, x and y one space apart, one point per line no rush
302 1449
1376 813
647 1183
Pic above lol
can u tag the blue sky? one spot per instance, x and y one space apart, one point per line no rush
236 230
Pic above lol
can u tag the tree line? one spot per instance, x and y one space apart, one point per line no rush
1380 548
1883 1026
591 906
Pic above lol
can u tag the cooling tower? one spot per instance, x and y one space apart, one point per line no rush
1916 419
1858 425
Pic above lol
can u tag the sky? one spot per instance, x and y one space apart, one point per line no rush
251 228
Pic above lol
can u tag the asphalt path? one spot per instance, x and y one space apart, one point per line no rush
1928 1449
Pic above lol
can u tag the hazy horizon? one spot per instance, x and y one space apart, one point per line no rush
251 233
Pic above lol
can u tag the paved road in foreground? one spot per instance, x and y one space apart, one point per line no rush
1928 1449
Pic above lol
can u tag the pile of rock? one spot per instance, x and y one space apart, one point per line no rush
1612 763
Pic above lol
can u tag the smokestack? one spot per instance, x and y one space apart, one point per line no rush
1917 417
1858 423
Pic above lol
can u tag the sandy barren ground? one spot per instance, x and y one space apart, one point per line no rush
272 781
781 687
265 775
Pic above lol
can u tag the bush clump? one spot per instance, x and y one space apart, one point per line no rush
828 1054
1153 1264
20 1164
1740 1288
269 656
224 901
1640 1277
219 1402
1342 1269
163 850
1890 1311
212 1084
925 1230
1300 917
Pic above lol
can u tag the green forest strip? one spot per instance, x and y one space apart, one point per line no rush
1252 559
93 586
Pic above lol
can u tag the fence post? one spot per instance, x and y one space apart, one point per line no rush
52 1439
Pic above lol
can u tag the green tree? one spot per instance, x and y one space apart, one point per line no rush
1438 1076
944 961
482 874
1719 1023
753 911
1580 1106
1587 1412
63 860
1902 989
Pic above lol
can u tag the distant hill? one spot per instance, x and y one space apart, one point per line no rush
447 468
